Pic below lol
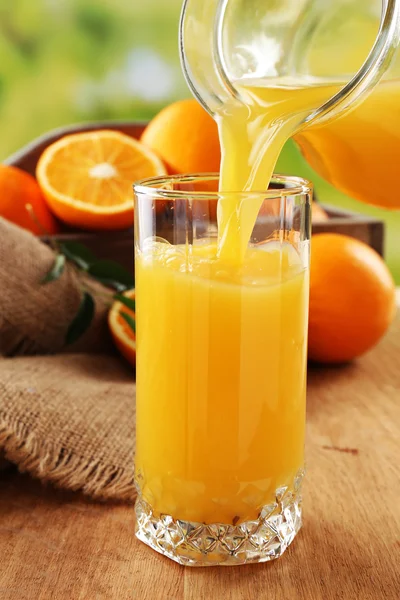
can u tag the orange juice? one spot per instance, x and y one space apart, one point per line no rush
358 151
353 152
221 336
222 373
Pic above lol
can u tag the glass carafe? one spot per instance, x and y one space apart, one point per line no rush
352 137
354 151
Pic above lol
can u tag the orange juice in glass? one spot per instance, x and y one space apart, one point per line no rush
221 371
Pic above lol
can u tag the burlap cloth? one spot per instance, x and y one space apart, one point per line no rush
34 318
66 413
70 420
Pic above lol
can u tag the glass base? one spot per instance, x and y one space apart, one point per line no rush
201 545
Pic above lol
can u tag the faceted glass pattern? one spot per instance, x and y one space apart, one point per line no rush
199 544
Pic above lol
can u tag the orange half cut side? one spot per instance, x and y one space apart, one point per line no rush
123 336
87 178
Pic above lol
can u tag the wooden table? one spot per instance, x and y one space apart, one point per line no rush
58 546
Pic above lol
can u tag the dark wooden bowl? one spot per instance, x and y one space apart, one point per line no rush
119 245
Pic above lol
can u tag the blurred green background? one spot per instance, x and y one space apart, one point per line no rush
66 61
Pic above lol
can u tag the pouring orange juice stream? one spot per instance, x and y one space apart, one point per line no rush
252 136
225 439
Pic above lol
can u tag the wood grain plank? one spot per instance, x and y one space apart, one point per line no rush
62 547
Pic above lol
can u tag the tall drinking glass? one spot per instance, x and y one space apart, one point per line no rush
221 372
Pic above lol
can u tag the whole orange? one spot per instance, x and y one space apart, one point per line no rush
352 300
18 190
185 137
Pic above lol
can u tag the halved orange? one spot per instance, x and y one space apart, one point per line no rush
123 336
87 178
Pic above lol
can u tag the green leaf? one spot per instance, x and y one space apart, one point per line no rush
112 275
79 254
129 302
129 320
82 321
56 270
